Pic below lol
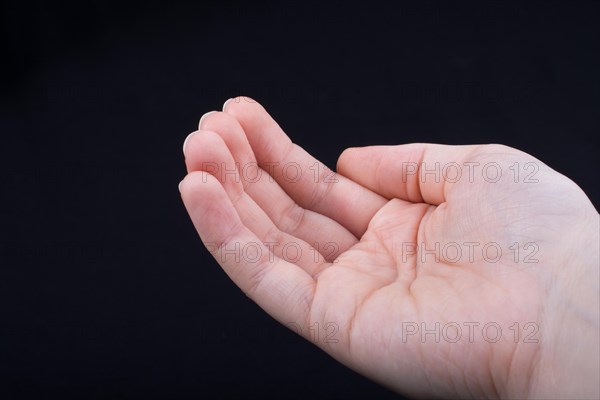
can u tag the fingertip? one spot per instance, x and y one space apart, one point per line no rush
199 189
206 149
248 99
224 108
203 117
186 141
235 101
348 152
345 157
184 185
193 180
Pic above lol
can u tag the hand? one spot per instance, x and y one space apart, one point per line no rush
483 282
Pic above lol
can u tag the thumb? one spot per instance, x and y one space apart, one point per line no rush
417 172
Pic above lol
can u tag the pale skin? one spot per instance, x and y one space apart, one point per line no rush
361 272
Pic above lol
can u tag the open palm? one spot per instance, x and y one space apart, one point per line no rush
428 268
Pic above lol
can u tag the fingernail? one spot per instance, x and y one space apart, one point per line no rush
186 140
225 104
179 186
202 118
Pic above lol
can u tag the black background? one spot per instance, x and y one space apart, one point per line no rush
105 289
